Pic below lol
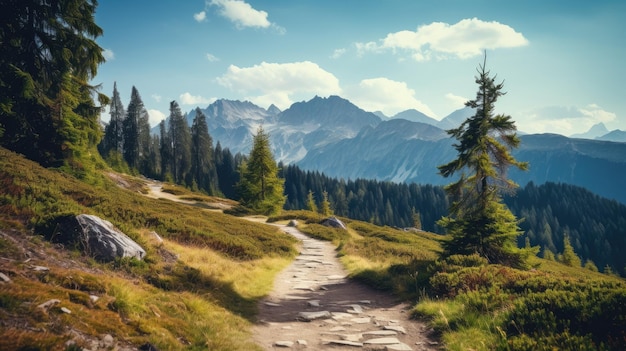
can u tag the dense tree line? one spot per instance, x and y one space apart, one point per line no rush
181 153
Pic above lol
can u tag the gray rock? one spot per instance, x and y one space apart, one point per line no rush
66 310
97 237
49 304
5 278
333 222
292 223
344 343
397 328
283 343
382 341
309 316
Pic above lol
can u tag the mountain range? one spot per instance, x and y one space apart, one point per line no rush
333 136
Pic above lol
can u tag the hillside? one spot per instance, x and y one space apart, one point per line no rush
199 287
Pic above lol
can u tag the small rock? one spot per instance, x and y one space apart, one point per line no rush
107 341
5 278
361 320
398 328
313 303
380 333
292 223
344 343
40 269
49 304
382 341
271 304
302 342
66 310
365 302
94 298
356 309
283 343
309 316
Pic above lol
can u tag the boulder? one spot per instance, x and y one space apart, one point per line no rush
333 222
293 223
97 237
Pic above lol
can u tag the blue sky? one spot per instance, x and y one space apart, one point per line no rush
562 62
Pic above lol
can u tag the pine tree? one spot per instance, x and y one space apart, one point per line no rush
569 257
180 139
136 132
260 188
47 58
310 202
478 221
113 133
165 151
325 208
202 160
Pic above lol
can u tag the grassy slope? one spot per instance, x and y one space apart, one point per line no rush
205 299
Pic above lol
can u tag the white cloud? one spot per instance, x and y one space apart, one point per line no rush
200 16
277 83
156 97
156 117
108 54
563 120
457 101
386 95
188 99
465 39
211 58
338 53
241 13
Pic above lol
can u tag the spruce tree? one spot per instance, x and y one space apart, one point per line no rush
260 188
202 160
478 220
165 151
136 132
180 139
113 132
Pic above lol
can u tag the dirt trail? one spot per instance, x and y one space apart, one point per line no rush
313 306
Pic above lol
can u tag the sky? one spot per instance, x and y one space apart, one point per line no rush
563 63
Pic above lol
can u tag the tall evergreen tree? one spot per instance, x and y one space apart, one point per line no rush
47 57
180 139
165 151
202 160
136 132
113 132
260 188
478 221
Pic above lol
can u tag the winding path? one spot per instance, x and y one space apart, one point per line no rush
313 306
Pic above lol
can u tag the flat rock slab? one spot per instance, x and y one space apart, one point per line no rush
380 333
284 343
344 343
398 328
382 341
310 316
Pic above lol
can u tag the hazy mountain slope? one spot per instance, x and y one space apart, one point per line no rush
416 116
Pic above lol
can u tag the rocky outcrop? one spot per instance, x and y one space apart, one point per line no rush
333 222
97 237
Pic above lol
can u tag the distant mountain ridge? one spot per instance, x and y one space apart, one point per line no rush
333 136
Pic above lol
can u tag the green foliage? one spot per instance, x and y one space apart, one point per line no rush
569 257
48 56
260 187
